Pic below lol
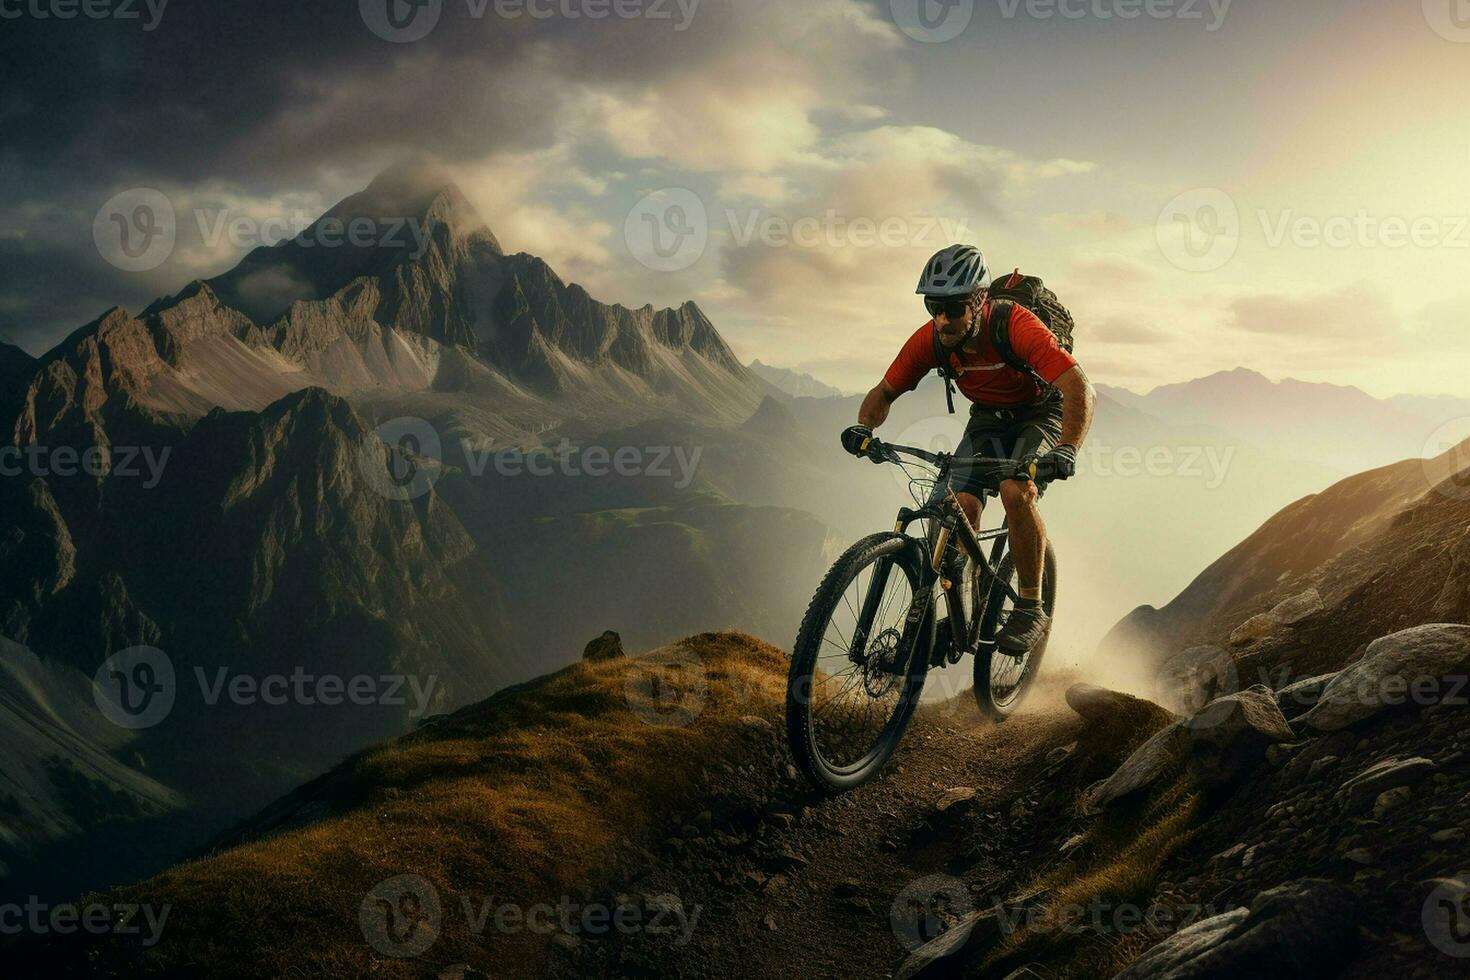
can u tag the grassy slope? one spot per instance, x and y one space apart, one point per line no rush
523 797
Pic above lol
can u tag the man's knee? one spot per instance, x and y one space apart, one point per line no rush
1017 496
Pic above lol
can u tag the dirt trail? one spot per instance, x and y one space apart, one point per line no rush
807 886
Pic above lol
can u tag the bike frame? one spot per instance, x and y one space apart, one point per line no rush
948 517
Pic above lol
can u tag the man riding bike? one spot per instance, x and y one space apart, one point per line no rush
1043 414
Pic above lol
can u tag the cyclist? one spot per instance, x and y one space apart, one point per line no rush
1015 415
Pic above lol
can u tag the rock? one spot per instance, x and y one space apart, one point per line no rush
956 801
566 942
1229 854
1166 749
1391 800
1230 735
1318 765
608 646
1359 855
1095 703
756 722
1380 778
1303 929
935 957
1253 629
1072 843
1060 754
1389 670
1289 612
786 860
1279 755
769 922
1451 835
1301 696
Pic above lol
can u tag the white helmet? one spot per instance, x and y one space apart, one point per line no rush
955 271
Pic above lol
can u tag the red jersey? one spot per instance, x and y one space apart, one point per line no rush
982 376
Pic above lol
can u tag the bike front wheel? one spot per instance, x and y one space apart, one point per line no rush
858 666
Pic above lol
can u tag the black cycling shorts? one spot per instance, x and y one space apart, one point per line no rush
1005 434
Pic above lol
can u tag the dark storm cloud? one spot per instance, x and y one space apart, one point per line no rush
267 95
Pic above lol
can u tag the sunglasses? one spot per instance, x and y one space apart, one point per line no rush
952 307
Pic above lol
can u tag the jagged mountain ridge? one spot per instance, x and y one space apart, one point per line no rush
447 312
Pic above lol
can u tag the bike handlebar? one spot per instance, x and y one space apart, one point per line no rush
1040 472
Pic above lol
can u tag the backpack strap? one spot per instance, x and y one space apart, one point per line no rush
941 360
999 324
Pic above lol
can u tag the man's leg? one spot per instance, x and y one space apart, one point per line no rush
1028 622
1027 534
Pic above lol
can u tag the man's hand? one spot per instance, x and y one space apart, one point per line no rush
1061 462
859 441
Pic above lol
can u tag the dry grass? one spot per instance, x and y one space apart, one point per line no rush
1126 846
523 798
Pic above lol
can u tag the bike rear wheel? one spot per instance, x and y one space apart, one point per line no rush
1001 680
858 666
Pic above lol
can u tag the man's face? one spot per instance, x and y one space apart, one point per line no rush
953 331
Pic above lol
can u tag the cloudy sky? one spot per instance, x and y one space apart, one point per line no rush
1284 186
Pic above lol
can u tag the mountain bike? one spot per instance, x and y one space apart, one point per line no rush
872 631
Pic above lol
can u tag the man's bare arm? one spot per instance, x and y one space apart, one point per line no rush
874 411
1079 402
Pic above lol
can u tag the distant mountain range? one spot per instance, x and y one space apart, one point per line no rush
793 383
1334 425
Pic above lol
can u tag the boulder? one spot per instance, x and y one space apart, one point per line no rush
1289 612
1095 703
1301 696
1415 665
1304 929
1379 778
936 957
1253 629
1230 735
608 646
1167 749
